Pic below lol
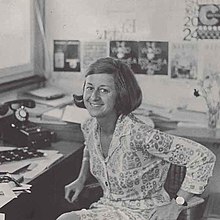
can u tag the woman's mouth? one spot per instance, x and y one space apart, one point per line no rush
95 105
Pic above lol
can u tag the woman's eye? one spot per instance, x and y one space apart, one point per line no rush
102 90
88 88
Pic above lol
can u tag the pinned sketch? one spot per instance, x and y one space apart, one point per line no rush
209 54
183 60
126 51
153 57
91 51
66 55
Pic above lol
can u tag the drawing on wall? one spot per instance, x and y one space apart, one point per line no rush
209 21
91 51
126 51
153 57
183 60
66 55
209 54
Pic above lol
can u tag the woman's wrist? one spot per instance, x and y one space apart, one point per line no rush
177 206
85 159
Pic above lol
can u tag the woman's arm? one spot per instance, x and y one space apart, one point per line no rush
83 174
198 160
73 189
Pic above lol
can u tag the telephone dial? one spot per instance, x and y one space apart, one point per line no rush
18 130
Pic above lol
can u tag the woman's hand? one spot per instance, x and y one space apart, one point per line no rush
170 211
73 190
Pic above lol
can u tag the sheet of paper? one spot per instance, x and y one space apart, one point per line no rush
2 216
75 114
6 190
4 200
11 167
55 113
6 194
56 102
46 92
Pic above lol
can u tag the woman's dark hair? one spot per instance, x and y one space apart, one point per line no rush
129 95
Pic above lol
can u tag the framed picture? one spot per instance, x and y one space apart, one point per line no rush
184 60
126 51
66 55
153 57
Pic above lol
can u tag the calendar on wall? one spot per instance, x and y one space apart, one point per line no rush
202 20
208 21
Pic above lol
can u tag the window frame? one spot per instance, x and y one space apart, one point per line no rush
36 64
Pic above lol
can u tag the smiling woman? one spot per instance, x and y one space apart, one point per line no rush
129 158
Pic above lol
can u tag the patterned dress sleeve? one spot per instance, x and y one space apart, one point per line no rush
198 160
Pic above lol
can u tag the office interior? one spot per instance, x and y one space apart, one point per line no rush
172 46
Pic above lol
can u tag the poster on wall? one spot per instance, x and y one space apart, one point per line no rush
183 60
153 57
209 21
201 20
190 20
126 51
91 51
209 53
66 55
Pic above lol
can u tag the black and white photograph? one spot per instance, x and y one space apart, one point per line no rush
153 57
109 110
66 55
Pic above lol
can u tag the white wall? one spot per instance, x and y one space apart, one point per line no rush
155 20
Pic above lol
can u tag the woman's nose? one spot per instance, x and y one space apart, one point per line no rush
95 95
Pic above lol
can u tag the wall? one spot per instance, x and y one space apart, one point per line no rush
148 20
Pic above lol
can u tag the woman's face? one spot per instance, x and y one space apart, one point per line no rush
99 95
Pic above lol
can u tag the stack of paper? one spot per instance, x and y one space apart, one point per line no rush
75 114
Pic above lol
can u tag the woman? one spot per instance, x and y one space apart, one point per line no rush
130 159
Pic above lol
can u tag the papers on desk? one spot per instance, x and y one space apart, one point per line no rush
54 114
14 166
75 114
39 165
183 115
6 190
9 191
50 96
48 93
6 194
70 113
32 167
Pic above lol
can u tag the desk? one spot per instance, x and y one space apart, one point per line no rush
46 201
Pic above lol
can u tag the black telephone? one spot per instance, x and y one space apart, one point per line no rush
20 113
18 130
